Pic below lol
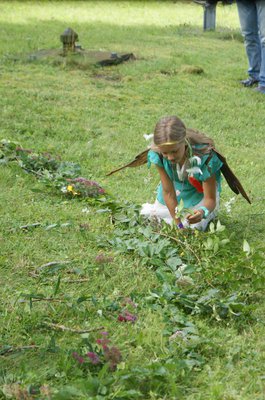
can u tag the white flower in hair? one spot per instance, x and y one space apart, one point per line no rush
148 137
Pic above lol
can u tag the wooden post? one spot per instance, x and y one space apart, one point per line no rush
209 17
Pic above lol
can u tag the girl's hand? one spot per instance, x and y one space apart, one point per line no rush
195 217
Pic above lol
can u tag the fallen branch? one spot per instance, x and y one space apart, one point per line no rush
11 349
34 299
66 329
182 244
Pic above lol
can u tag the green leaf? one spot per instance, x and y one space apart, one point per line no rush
209 243
161 276
224 241
69 392
57 286
49 227
161 371
211 227
52 269
83 298
66 224
246 247
180 206
219 227
174 262
216 247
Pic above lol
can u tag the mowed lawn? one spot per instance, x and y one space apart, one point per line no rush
182 318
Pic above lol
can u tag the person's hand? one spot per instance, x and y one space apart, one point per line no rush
195 217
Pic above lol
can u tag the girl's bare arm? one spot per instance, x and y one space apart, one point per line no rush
169 193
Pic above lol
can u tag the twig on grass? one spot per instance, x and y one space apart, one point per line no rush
182 244
43 299
10 349
72 330
33 274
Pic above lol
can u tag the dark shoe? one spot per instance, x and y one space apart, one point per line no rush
260 89
249 82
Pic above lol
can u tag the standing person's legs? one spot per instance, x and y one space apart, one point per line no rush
248 16
260 4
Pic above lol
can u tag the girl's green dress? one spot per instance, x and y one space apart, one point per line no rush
184 190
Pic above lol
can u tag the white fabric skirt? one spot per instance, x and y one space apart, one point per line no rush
161 212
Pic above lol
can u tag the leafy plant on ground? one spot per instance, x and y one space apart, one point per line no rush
175 348
54 173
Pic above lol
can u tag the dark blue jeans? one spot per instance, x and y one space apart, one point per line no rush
252 20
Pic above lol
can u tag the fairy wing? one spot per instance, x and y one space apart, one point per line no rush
140 159
230 177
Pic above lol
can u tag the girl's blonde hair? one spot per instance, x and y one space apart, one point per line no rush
171 130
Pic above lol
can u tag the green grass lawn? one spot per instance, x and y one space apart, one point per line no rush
96 117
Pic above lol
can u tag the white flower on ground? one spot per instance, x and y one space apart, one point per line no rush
85 210
228 204
182 267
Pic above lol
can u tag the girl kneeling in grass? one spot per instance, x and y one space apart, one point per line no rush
189 171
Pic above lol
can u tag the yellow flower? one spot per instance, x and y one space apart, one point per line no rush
71 190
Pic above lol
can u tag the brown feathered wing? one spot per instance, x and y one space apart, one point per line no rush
140 159
231 179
